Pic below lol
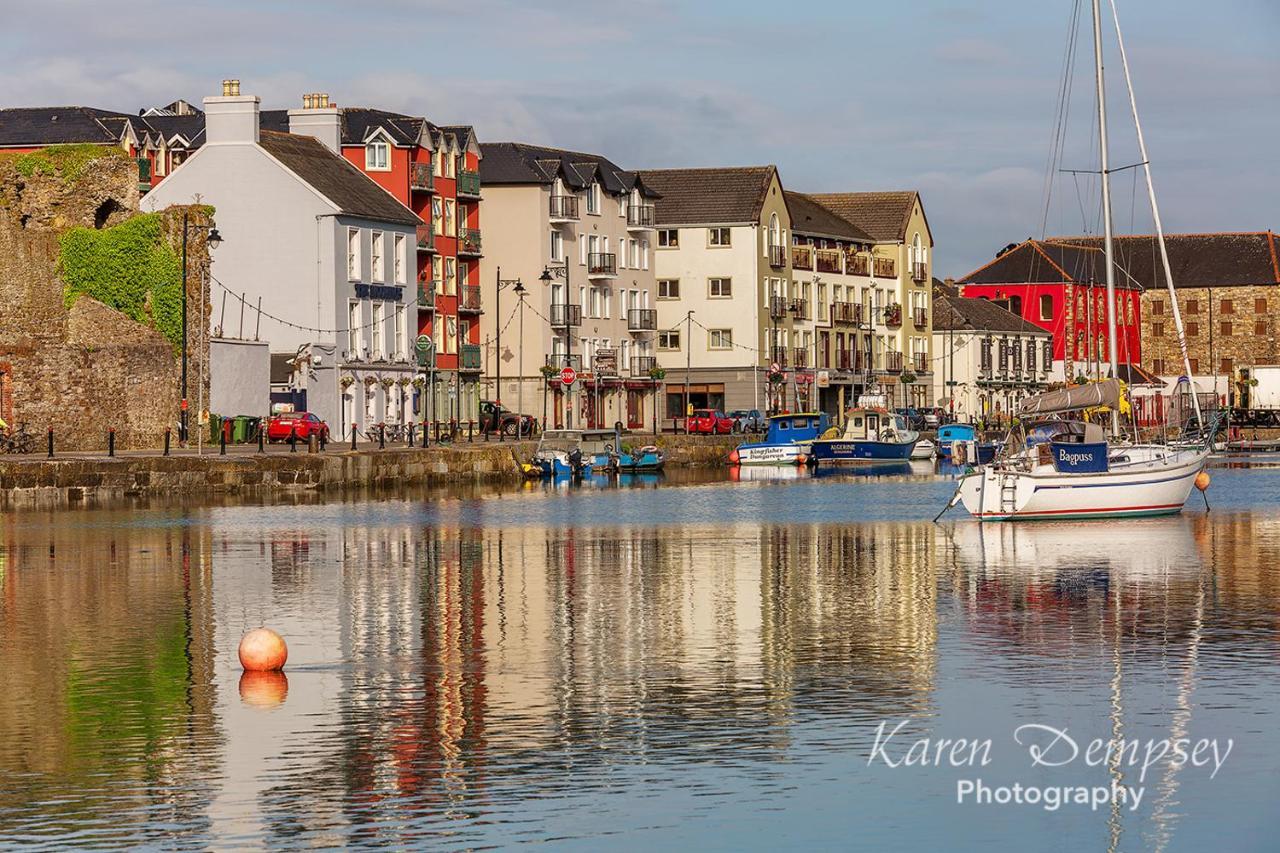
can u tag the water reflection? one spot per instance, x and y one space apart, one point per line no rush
465 686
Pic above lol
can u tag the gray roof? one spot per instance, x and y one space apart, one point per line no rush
811 219
952 312
40 126
715 196
1196 260
1045 262
514 163
336 179
883 215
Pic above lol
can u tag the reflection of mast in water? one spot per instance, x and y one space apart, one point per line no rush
1114 824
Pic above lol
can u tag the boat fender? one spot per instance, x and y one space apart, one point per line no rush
1202 481
958 451
733 456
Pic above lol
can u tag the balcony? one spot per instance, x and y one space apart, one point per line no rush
424 359
827 260
640 217
855 264
920 362
469 358
427 295
893 362
469 241
919 271
559 360
847 359
919 317
800 356
778 356
602 265
469 184
802 257
893 315
426 239
777 256
777 307
642 364
422 177
642 319
800 308
566 315
846 312
144 174
469 299
564 208
886 268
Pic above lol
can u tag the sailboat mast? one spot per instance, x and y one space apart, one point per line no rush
1155 214
1106 204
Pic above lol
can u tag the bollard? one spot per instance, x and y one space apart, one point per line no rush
471 431
502 433
353 436
168 433
293 439
262 437
436 426
313 443
111 442
426 435
50 442
382 436
222 442
411 433
324 438
485 432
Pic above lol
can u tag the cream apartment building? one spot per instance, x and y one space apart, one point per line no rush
726 309
589 225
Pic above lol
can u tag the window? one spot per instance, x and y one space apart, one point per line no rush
1157 366
450 276
1225 328
377 330
1157 330
720 288
1157 307
353 329
1227 307
557 245
1195 365
377 156
1260 305
398 259
635 254
1193 306
1046 307
608 302
353 254
669 238
720 339
668 288
669 340
399 332
450 225
1015 305
775 233
593 199
644 254
375 257
718 237
1225 366
1193 330
437 216
1260 328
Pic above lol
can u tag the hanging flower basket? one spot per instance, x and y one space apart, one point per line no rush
777 378
346 380
549 371
657 374
370 381
387 382
403 381
419 383
908 378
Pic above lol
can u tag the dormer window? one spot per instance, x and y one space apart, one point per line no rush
377 156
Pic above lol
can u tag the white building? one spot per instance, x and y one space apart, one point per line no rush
327 255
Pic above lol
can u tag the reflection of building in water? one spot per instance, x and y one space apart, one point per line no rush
106 667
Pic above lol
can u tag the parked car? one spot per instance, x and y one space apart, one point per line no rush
933 417
494 416
748 420
710 422
302 424
915 420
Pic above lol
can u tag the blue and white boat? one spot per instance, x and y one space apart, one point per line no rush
644 459
870 435
559 454
971 451
786 443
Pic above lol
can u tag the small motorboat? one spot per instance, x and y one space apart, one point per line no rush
960 444
786 443
870 435
559 454
924 449
646 459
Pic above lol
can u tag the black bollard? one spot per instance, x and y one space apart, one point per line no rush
486 432
436 426
168 435
111 442
411 433
471 431
382 436
293 439
353 436
262 437
50 442
222 441
324 438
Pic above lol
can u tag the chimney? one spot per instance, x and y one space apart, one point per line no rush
231 118
318 118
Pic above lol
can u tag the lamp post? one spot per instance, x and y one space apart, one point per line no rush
213 241
550 273
519 291
497 391
688 365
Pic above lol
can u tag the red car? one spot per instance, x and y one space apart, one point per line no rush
710 422
302 424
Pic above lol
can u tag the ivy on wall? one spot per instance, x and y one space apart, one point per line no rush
70 161
129 267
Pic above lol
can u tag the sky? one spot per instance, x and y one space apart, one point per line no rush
955 99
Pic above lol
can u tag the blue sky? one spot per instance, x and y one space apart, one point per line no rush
953 98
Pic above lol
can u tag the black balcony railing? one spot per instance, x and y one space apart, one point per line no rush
468 183
919 271
642 364
777 307
827 260
886 268
422 177
426 239
800 356
778 355
469 241
854 360
855 264
802 257
919 317
799 307
602 263
893 362
920 362
427 295
642 319
777 256
469 299
469 357
566 315
846 312
560 360
640 216
564 207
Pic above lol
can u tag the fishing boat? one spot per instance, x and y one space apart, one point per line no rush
960 445
924 449
786 443
647 459
870 435
558 454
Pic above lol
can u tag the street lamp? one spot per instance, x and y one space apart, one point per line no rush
497 391
549 274
213 241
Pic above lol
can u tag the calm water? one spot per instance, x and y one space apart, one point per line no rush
633 667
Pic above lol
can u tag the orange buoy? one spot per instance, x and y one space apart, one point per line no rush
733 456
263 689
1202 480
263 650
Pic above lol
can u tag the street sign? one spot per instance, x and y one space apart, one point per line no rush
605 362
424 343
568 376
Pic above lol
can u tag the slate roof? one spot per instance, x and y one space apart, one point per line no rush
1196 260
1039 262
714 196
514 163
40 126
883 215
335 178
952 312
812 219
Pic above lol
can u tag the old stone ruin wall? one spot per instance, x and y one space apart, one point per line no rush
84 369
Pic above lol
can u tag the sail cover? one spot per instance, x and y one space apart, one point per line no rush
1105 393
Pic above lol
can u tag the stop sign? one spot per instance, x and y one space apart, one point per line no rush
568 376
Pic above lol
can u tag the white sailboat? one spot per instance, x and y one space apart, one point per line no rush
1070 469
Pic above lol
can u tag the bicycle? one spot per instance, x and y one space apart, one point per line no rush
19 441
393 432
